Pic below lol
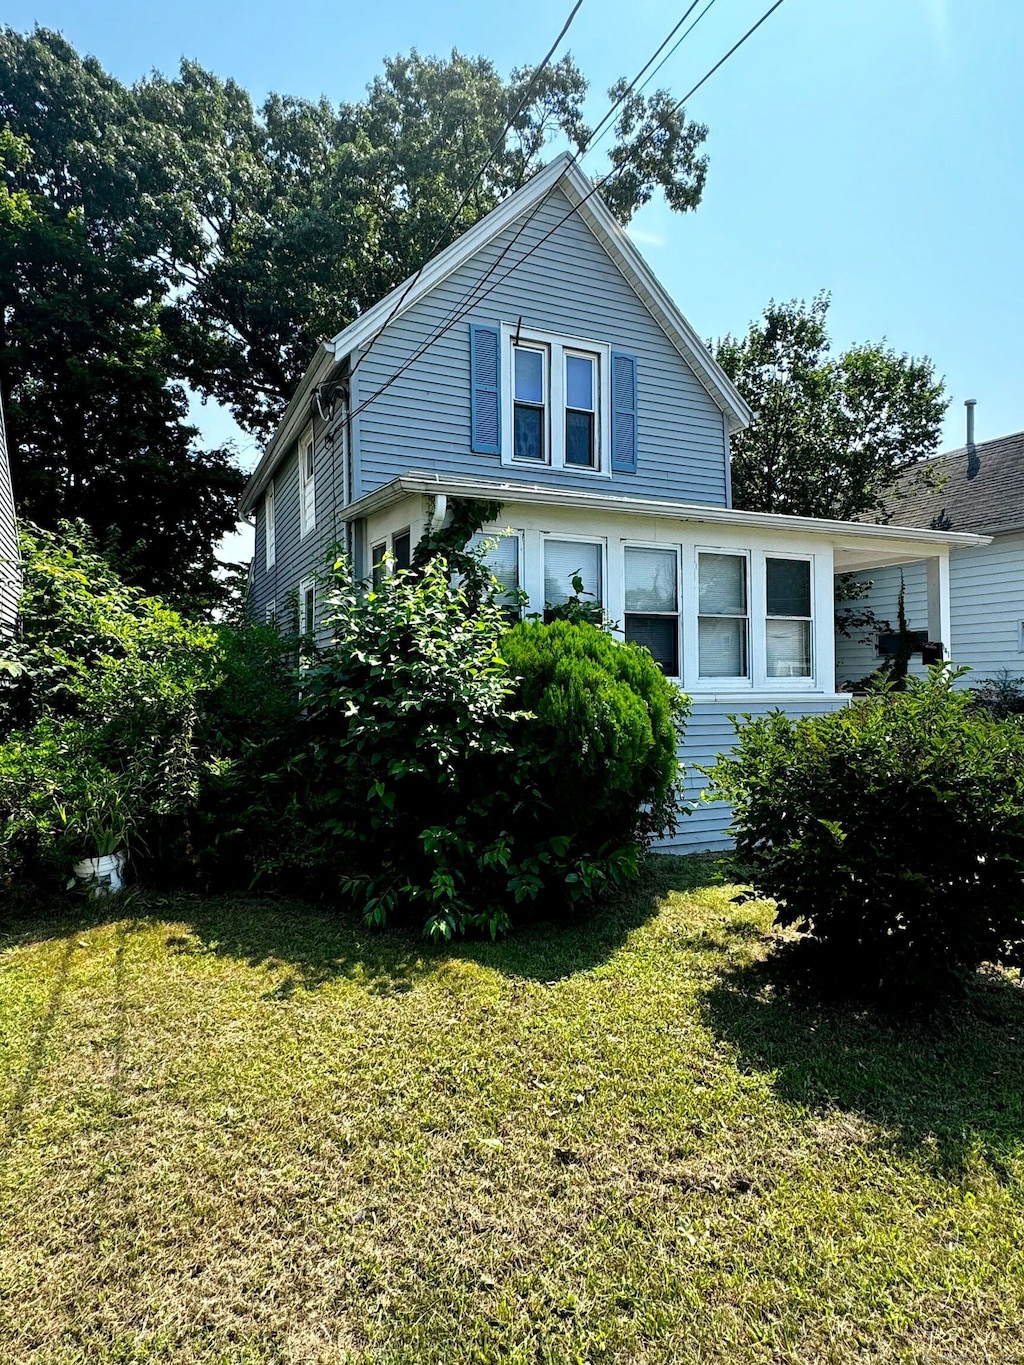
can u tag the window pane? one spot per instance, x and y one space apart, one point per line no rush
529 433
579 438
650 580
789 587
579 382
379 552
789 649
501 559
402 549
660 634
529 375
723 585
723 647
562 560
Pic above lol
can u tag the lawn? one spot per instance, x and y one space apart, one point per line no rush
241 1131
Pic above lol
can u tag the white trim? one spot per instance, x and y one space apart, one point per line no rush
307 481
555 346
269 526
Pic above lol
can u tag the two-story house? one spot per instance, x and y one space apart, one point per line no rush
537 361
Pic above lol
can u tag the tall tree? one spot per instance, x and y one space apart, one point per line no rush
97 427
830 437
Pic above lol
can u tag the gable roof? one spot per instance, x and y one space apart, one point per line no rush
561 173
977 488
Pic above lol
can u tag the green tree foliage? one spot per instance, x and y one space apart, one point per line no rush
830 437
97 427
892 831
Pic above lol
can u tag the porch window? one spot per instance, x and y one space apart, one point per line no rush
501 560
652 604
788 612
378 557
401 548
565 560
723 625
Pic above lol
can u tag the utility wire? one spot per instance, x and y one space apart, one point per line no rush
498 144
451 321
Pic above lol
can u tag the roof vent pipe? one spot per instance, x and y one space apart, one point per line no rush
970 404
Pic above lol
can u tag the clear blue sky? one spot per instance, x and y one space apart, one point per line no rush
874 148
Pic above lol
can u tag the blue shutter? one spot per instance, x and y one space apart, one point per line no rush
485 389
623 412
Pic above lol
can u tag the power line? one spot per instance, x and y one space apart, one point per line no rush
451 321
498 144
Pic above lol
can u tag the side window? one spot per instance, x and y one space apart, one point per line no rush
566 561
788 613
377 558
652 604
401 548
723 636
269 529
270 613
307 483
307 606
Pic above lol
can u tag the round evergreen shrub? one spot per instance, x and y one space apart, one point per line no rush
892 831
599 743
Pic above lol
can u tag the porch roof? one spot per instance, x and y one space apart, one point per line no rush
856 545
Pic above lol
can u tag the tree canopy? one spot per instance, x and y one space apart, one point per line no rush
830 436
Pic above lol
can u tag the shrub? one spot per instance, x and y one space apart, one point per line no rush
435 790
600 750
1000 696
893 831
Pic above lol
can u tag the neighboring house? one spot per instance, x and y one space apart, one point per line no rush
537 361
977 488
10 573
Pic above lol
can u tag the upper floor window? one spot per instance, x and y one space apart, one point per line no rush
307 482
556 404
269 533
530 408
580 410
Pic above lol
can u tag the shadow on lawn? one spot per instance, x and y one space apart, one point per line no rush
950 1086
320 944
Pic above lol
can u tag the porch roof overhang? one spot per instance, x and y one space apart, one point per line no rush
856 545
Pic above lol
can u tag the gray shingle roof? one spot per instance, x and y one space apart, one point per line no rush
979 489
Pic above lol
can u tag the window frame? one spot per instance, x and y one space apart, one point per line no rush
797 679
517 534
563 537
378 562
570 353
675 550
544 406
557 347
727 682
269 526
307 482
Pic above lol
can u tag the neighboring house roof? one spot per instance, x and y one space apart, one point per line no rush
561 173
977 488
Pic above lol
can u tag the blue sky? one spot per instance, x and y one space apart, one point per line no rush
867 147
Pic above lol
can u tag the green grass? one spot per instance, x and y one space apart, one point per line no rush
239 1131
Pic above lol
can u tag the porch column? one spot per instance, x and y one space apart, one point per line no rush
937 578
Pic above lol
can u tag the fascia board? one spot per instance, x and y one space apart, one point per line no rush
415 483
296 417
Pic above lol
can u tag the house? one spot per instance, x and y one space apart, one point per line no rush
538 362
10 573
978 488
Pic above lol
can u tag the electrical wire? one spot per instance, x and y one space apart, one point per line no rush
498 144
470 303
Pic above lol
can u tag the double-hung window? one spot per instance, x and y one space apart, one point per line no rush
501 560
723 627
530 408
652 604
378 559
557 402
307 482
401 549
572 568
788 617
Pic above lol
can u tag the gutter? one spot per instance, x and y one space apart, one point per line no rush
416 483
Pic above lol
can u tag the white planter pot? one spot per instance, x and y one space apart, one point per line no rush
101 876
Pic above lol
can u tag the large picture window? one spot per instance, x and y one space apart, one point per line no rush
652 604
788 613
723 635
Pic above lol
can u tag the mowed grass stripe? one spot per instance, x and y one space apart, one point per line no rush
242 1131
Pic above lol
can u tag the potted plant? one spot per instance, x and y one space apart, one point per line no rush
101 822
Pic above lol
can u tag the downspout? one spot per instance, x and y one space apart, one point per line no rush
438 512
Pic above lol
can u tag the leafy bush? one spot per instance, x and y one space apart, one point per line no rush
893 831
437 795
1000 696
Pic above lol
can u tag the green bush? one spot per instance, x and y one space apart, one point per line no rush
893 831
600 751
435 793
